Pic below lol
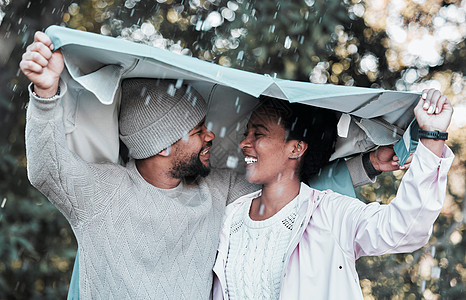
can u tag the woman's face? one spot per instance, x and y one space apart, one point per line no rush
265 148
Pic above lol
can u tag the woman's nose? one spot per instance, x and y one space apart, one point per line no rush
244 143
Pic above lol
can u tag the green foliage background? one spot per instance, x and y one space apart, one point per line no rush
301 40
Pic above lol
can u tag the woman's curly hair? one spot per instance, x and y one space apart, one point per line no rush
315 126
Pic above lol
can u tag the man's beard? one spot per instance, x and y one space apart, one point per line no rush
189 170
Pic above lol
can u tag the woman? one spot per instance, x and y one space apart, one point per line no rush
290 241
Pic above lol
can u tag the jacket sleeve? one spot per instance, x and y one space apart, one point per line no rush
406 223
403 225
65 179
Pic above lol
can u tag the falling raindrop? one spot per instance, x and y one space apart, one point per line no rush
171 90
194 101
279 176
261 209
320 172
146 102
423 286
238 109
179 83
232 162
240 55
3 203
394 132
143 91
294 123
280 191
223 130
435 272
199 25
169 150
237 101
329 172
209 126
238 126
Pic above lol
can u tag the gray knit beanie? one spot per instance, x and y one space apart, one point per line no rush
155 114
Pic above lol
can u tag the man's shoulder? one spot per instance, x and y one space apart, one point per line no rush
220 175
219 180
110 171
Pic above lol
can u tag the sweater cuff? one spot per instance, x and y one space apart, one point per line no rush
45 106
357 172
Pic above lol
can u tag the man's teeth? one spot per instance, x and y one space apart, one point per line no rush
205 151
250 160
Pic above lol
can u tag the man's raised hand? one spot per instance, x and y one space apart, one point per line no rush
42 66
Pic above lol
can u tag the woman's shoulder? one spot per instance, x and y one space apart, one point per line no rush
331 203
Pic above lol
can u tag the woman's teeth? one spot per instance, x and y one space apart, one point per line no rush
250 160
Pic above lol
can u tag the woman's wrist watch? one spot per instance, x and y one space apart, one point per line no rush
435 135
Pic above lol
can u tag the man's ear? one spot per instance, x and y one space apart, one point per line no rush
299 148
165 152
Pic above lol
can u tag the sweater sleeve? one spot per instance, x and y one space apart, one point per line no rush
357 172
64 178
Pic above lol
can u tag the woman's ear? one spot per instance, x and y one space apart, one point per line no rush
299 148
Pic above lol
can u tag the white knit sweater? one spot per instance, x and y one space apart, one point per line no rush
255 256
136 241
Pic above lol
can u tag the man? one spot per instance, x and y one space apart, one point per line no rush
148 229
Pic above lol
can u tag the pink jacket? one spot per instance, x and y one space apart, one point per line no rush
332 231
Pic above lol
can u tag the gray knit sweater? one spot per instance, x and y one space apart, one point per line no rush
136 241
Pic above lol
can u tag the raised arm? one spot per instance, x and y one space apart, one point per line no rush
433 113
405 224
52 168
364 168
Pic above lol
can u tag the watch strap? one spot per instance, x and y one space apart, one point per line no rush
435 135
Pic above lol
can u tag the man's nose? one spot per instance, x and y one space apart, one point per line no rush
209 135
